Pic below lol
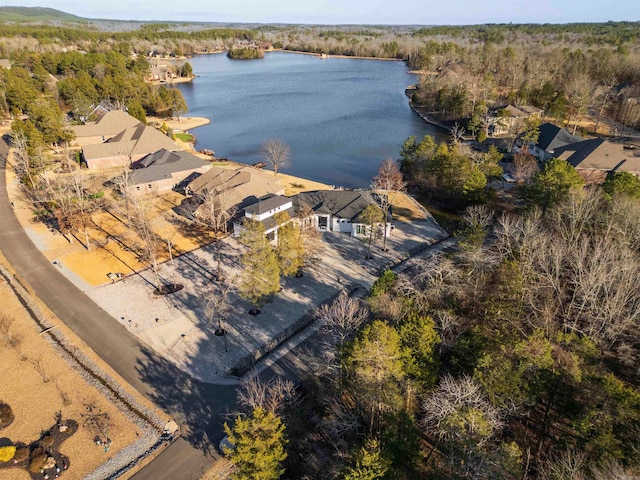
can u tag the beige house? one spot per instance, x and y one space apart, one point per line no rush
238 187
593 159
507 120
164 170
127 147
107 127
162 70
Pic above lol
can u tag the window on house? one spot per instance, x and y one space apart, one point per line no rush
361 229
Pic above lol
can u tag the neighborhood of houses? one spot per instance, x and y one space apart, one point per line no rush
155 164
593 158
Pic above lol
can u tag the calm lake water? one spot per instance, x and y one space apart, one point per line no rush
341 117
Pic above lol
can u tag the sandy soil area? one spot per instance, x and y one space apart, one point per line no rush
184 123
37 383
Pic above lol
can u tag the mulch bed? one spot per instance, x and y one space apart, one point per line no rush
50 443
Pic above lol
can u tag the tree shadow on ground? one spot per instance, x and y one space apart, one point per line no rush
198 407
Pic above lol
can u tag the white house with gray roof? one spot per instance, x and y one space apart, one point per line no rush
550 138
327 210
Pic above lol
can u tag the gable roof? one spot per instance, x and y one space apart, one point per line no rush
111 123
238 186
346 204
515 112
552 137
267 203
134 141
161 164
599 154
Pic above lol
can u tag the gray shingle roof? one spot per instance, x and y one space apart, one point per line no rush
552 137
340 203
267 203
598 154
161 164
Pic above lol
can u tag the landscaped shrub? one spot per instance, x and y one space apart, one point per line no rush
38 460
21 454
47 440
7 453
6 415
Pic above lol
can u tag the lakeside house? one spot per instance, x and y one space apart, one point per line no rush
161 70
164 170
595 158
508 119
105 128
337 211
233 188
550 138
127 147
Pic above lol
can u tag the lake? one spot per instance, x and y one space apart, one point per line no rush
341 117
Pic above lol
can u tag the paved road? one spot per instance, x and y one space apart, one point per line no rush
195 405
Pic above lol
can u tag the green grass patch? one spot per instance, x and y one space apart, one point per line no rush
185 137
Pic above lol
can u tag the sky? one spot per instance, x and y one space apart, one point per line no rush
396 12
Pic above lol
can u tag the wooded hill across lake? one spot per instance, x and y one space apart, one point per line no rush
510 354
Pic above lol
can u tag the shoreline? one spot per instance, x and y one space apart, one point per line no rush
184 124
173 80
328 55
424 116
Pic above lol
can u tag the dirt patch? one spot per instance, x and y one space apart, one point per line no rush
38 385
184 124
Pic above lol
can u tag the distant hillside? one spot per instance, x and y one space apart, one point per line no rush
36 14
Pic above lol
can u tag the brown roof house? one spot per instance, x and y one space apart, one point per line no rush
105 128
127 147
163 170
160 69
593 159
234 187
506 120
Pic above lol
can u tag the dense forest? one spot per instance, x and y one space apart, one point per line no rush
514 355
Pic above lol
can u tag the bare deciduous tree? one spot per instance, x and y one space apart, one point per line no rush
7 332
341 318
272 396
214 211
276 153
524 166
457 133
96 421
387 184
149 242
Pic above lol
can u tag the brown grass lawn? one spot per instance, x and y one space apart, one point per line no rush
24 369
405 209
